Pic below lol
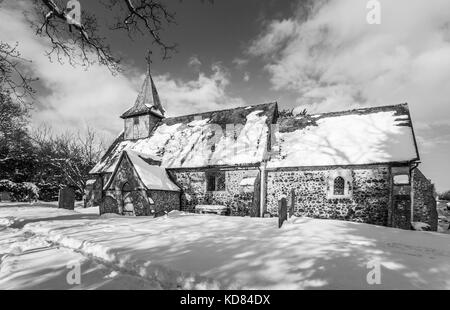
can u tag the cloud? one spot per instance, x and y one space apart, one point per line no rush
275 36
334 59
194 62
207 93
330 58
69 98
246 76
240 62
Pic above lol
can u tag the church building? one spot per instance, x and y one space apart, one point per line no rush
359 165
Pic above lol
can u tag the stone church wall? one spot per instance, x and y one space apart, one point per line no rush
424 200
366 198
164 201
194 191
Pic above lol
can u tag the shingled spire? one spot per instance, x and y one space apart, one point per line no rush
147 101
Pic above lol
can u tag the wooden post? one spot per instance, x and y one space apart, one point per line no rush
292 206
282 211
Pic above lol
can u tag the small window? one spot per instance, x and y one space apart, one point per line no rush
136 120
210 182
339 186
220 181
401 179
215 181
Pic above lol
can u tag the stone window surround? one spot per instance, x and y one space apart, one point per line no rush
346 174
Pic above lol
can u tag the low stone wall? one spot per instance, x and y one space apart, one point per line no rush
424 200
93 193
194 190
367 203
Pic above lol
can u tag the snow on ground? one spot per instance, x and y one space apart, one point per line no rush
31 262
209 251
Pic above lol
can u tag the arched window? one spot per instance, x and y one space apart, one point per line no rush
339 186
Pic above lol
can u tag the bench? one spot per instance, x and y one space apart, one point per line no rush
212 209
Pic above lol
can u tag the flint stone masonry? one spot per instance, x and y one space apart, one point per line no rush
194 191
424 200
164 201
93 193
368 203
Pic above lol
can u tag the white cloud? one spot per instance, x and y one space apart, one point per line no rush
277 33
333 60
194 62
246 76
73 97
240 62
204 94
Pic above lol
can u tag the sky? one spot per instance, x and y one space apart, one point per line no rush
319 55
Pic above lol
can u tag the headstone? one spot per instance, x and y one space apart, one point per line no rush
5 196
66 198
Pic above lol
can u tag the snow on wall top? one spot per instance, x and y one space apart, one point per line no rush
229 137
362 136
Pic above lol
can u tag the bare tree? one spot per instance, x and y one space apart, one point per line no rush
72 154
81 43
13 80
84 45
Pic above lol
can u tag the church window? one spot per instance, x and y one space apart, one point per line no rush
136 120
339 186
215 181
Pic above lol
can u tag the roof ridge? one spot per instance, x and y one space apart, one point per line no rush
362 109
223 110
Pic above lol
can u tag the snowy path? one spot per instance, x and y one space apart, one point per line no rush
28 261
207 251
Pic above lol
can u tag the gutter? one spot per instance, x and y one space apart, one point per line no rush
262 192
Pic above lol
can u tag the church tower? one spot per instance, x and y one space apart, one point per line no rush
147 111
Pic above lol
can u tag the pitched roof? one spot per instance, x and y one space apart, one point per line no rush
201 140
355 137
153 177
147 101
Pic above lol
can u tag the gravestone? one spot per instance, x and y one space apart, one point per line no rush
5 196
66 198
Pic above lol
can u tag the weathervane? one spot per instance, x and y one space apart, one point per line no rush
148 58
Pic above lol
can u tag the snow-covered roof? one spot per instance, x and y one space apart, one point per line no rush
362 136
356 137
202 140
152 176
